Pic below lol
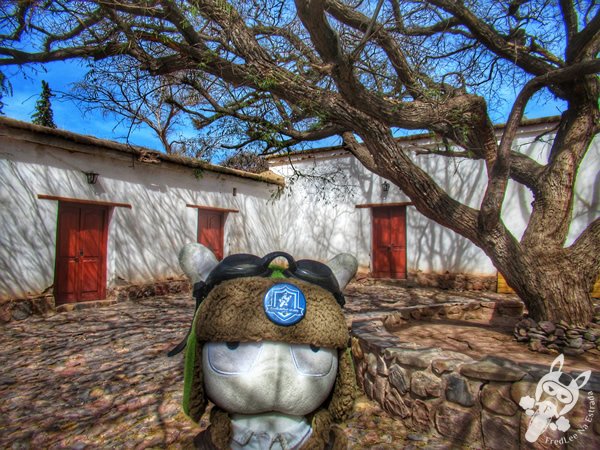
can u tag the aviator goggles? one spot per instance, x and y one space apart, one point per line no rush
247 265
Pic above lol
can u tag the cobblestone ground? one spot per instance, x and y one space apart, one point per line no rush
100 378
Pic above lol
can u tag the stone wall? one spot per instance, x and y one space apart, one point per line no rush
474 402
157 289
454 281
447 281
21 308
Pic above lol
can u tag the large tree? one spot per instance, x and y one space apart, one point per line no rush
288 72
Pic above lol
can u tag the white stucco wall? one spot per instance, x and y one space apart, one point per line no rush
325 220
143 242
314 217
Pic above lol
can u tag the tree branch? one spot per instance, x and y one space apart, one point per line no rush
292 38
570 19
356 52
397 58
358 150
586 249
445 25
493 40
18 57
586 43
491 205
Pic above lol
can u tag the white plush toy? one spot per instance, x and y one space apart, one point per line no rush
269 348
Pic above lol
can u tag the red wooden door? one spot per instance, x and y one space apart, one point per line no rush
210 230
80 273
389 242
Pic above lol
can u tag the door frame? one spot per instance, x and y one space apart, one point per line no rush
82 201
220 250
103 249
392 275
224 213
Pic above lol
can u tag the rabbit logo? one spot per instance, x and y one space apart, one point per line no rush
555 395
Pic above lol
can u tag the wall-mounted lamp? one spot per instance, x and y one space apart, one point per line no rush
91 177
385 187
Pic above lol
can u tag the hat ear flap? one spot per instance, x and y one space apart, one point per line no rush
194 399
345 390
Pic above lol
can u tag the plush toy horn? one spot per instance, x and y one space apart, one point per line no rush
196 261
344 267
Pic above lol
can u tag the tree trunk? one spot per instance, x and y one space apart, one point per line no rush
552 286
553 282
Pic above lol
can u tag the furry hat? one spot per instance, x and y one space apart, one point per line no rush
234 310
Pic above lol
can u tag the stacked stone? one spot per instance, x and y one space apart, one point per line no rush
548 337
439 392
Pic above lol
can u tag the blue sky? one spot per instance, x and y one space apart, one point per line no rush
26 86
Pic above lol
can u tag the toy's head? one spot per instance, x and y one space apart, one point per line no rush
266 339
560 388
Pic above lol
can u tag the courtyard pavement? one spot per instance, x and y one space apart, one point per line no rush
100 378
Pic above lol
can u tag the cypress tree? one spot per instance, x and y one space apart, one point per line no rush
43 114
5 88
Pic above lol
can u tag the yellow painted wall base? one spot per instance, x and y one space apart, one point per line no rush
596 289
504 288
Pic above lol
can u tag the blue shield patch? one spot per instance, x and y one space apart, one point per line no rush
284 304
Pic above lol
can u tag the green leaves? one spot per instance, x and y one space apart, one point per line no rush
43 114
